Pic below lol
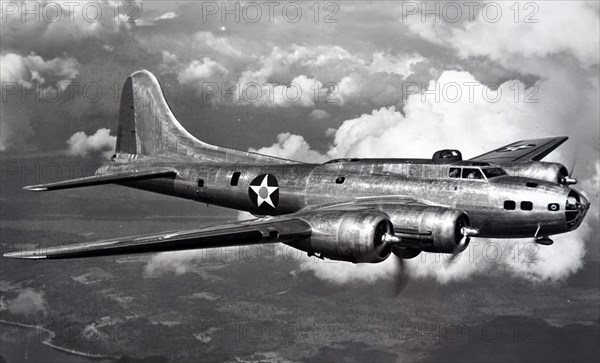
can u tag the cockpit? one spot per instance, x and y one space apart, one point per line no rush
475 173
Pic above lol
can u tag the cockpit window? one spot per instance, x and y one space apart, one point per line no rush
454 173
471 173
493 172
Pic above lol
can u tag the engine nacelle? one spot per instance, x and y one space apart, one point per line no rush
552 172
429 228
354 236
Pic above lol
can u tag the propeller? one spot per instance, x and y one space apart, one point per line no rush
466 232
401 277
568 180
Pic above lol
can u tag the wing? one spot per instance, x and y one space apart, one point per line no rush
105 179
257 231
288 228
524 150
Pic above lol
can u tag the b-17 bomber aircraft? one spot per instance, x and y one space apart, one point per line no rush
355 210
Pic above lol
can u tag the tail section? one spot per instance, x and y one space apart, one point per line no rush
147 127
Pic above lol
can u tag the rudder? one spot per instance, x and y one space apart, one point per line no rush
147 127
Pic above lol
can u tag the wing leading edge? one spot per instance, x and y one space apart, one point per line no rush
285 229
524 150
257 231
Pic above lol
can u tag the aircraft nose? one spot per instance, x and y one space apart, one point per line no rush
576 209
585 203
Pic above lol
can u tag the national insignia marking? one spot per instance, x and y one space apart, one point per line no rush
264 192
515 148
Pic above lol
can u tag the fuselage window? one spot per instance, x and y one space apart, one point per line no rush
234 179
340 180
468 173
200 183
553 207
510 205
526 206
454 173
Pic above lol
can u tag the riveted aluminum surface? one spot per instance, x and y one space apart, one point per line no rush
307 185
348 235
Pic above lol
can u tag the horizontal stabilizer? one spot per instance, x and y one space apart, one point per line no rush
524 150
257 231
105 179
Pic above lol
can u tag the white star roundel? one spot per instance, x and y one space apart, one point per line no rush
515 148
264 192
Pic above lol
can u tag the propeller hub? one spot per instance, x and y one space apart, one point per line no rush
468 231
567 180
390 238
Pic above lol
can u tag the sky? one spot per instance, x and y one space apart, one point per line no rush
312 82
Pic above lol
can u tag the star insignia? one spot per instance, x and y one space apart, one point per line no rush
264 192
515 148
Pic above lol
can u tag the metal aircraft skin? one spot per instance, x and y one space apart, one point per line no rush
356 210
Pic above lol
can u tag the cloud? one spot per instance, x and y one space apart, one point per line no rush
564 96
28 302
330 75
13 68
80 144
541 29
455 110
33 69
53 26
292 147
198 72
167 16
215 44
399 64
178 262
318 115
21 75
438 118
170 62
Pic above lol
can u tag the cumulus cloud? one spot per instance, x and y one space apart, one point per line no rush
521 258
484 116
101 142
46 78
178 262
292 147
57 25
167 16
399 64
298 75
318 115
28 302
198 72
541 29
214 44
33 69
332 75
457 111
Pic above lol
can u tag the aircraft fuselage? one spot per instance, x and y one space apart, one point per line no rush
500 207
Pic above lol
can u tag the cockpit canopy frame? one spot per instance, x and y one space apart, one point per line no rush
472 172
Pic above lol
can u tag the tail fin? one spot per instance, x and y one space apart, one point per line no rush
146 124
148 127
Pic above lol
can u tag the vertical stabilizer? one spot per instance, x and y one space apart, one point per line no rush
147 127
